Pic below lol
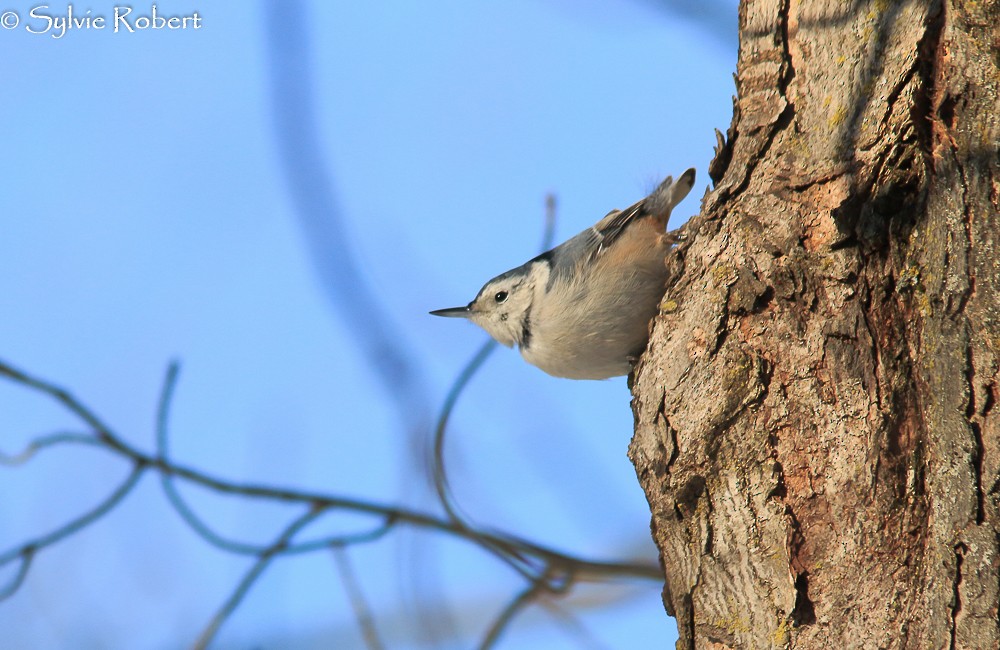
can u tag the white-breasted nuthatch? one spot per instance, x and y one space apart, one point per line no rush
582 309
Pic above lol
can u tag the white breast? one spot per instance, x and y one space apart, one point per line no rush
594 330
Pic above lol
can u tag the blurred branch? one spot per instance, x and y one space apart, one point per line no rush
522 600
42 442
362 611
538 576
572 625
26 552
549 231
263 559
382 342
451 399
717 19
546 568
24 558
309 177
438 471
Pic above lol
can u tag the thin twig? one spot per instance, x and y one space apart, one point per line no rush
203 529
549 231
506 553
510 554
26 555
166 479
534 561
50 440
553 580
457 388
468 371
309 176
410 517
250 577
363 613
101 430
573 625
80 522
319 500
521 601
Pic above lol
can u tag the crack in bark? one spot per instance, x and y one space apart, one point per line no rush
803 613
836 174
956 605
722 329
966 294
928 49
898 89
780 490
928 43
675 451
874 348
779 125
977 435
785 76
690 617
977 464
689 602
709 530
787 69
970 369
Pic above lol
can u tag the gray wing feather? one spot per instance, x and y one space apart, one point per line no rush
587 245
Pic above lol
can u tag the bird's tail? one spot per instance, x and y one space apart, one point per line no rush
668 194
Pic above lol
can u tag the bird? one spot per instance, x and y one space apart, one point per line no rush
582 309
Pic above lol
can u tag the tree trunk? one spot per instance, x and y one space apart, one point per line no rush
815 427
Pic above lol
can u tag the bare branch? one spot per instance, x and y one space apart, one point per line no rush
51 440
359 604
438 468
514 554
714 19
388 516
251 576
549 230
462 380
519 603
26 555
546 570
26 551
571 624
102 431
314 197
166 479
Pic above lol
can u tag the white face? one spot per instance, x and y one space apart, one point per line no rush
502 306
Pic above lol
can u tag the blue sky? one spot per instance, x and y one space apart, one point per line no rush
148 215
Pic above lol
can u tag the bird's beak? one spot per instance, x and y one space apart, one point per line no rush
453 312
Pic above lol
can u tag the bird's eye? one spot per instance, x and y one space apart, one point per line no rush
500 297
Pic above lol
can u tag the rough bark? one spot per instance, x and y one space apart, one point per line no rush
815 421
